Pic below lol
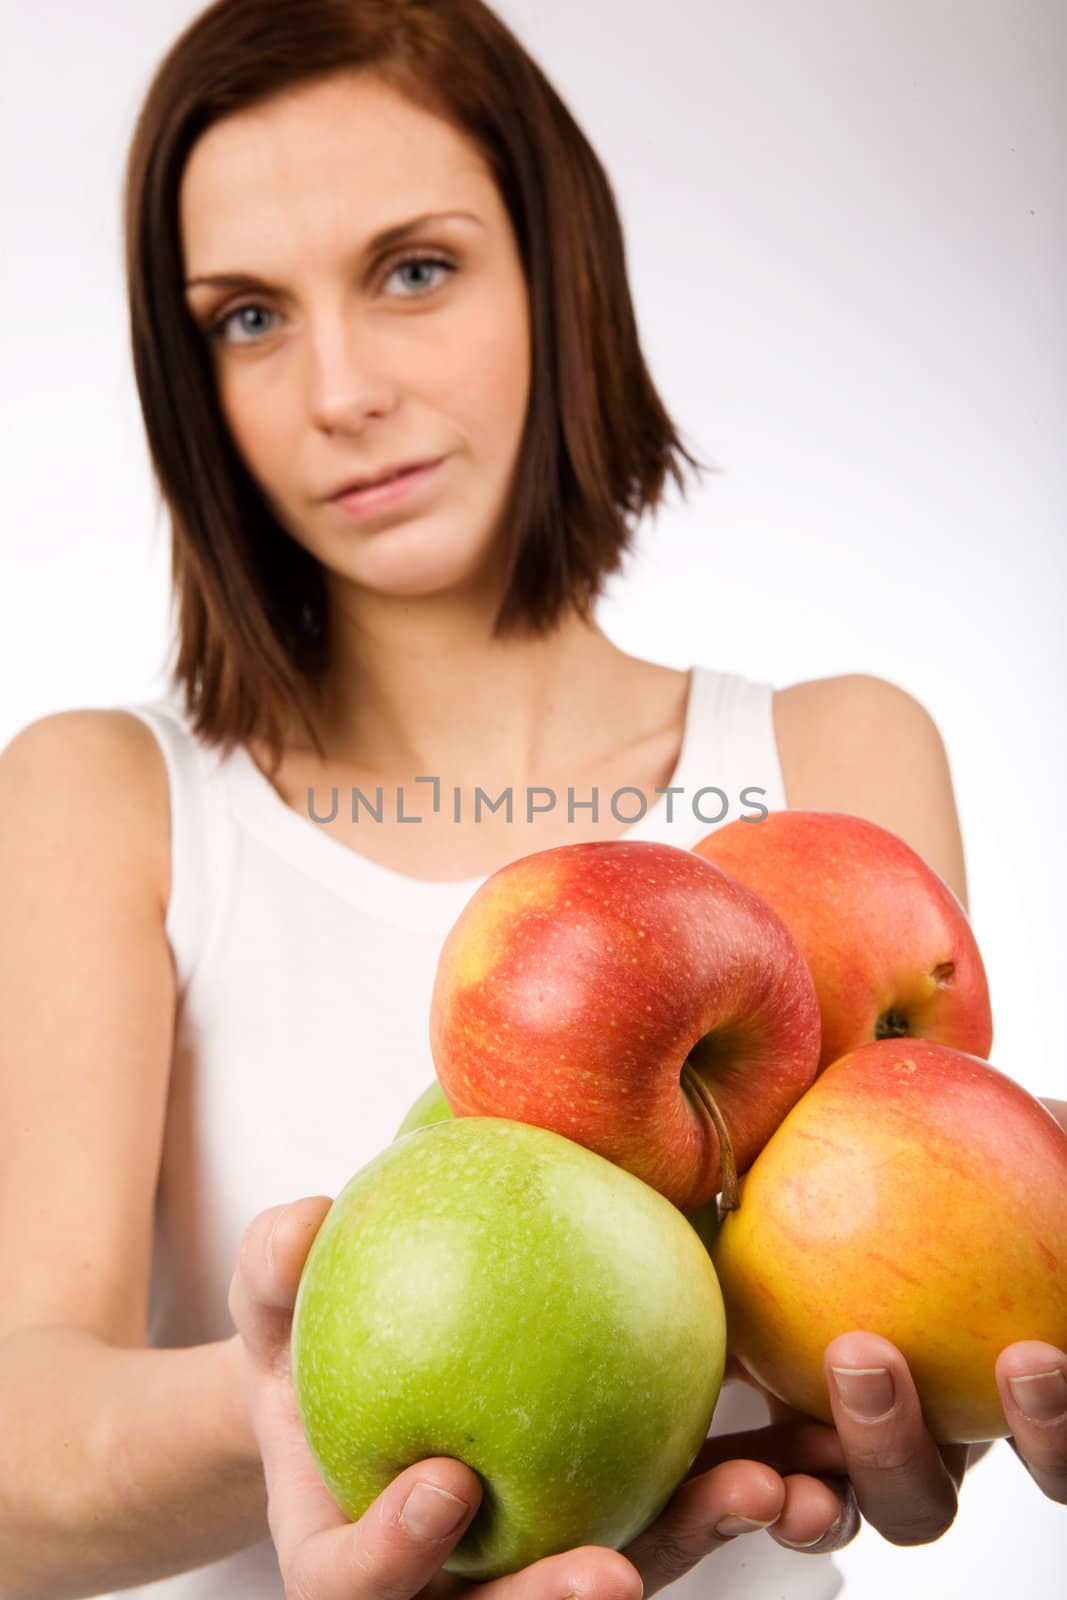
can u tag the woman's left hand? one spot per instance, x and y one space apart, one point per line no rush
884 1469
906 1486
902 1482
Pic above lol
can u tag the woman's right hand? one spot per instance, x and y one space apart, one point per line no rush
396 1549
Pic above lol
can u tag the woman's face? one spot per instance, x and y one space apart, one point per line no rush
349 356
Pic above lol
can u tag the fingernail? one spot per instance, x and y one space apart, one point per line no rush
1042 1396
730 1527
430 1513
867 1392
802 1544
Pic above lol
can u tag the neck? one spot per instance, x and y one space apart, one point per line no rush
423 689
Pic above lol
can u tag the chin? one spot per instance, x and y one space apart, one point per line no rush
418 560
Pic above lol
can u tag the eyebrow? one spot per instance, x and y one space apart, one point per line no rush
394 234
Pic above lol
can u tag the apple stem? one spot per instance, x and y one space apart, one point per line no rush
694 1084
892 1024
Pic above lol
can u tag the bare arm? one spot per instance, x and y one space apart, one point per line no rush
121 1464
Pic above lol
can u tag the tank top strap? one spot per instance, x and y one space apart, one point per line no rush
203 837
743 709
728 766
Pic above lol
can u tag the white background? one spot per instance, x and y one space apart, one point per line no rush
847 233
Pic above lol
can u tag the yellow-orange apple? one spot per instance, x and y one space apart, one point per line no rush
887 941
914 1192
633 998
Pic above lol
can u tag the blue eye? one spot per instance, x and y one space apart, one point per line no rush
424 261
218 328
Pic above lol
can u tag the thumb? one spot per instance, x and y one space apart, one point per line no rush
398 1544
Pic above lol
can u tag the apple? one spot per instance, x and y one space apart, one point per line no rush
431 1107
887 941
636 1000
491 1291
915 1192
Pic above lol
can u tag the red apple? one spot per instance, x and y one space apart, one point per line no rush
624 994
888 943
914 1192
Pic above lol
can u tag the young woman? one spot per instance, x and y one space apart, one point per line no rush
364 237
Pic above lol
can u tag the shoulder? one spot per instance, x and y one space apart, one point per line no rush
861 744
835 727
104 763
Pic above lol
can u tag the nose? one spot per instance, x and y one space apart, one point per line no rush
350 375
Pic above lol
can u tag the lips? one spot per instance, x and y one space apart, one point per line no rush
383 497
387 475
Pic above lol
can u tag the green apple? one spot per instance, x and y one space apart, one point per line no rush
492 1291
431 1107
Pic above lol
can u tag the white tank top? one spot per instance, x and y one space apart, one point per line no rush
304 973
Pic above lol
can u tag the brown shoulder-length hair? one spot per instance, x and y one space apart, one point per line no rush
252 623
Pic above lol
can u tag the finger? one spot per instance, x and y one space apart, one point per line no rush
1032 1379
395 1548
262 1293
820 1514
903 1487
263 1288
588 1572
704 1514
811 1521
